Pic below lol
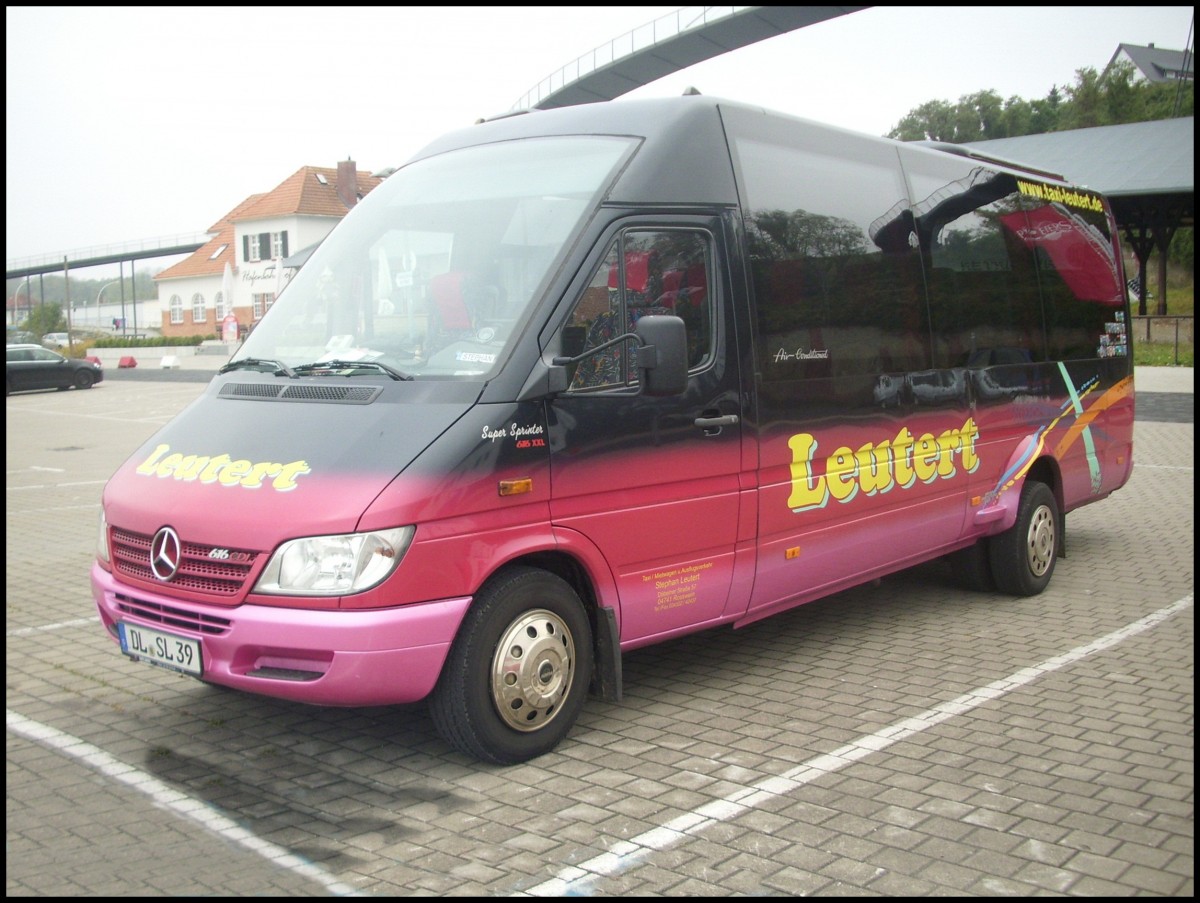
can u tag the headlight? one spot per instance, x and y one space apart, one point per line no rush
102 541
334 565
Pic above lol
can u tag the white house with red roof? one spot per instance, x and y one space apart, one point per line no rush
197 297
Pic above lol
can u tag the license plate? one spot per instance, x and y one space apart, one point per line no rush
178 653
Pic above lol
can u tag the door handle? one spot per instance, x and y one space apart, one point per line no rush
712 425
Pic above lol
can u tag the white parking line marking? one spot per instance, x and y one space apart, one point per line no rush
173 800
55 485
625 854
61 625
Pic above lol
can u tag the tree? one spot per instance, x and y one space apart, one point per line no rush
1112 98
1045 114
1085 108
1095 99
45 318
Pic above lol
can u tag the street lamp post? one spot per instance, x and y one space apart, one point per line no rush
17 300
99 295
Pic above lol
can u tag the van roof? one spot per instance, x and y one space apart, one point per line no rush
684 159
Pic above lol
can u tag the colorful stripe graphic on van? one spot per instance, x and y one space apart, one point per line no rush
1031 447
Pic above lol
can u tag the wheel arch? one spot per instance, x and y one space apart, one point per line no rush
606 646
1046 470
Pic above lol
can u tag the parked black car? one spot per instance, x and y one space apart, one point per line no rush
35 367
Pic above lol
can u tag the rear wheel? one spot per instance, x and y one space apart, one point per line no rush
518 672
1023 557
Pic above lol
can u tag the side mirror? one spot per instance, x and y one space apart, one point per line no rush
662 354
574 339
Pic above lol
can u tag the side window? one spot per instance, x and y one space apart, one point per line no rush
1077 265
985 305
836 278
644 272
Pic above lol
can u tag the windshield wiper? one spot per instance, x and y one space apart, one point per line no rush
258 363
352 365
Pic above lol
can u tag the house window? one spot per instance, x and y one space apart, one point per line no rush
219 306
218 252
176 309
264 246
259 306
199 314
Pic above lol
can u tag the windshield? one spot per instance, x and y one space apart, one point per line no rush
437 269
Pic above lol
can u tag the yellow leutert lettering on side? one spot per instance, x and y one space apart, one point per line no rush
878 467
222 469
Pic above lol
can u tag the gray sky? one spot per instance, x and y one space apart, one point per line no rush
126 123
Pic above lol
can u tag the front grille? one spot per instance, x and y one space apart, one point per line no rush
172 616
198 571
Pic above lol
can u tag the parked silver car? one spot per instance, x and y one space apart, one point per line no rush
55 341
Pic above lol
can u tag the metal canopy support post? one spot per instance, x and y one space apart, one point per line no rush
67 305
121 271
133 293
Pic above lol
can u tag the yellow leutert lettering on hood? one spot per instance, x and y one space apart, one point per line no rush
878 466
222 469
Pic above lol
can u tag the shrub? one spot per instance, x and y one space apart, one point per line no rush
172 341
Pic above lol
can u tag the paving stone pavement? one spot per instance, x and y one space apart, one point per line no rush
901 739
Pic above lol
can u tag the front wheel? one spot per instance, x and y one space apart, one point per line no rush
1023 557
84 380
518 672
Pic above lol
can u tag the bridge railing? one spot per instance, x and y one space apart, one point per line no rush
643 36
80 256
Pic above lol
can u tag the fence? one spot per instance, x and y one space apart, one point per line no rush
1178 331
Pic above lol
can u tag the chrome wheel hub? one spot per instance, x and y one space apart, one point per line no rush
532 670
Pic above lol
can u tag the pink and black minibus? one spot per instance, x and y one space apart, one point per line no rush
576 381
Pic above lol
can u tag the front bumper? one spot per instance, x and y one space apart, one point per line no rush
334 658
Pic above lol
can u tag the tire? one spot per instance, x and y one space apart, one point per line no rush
972 567
84 380
1023 557
518 672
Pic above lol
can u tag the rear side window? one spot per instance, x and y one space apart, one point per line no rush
1019 270
1077 258
644 272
